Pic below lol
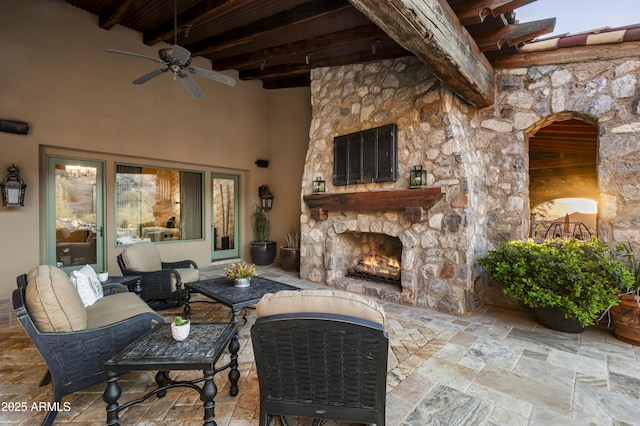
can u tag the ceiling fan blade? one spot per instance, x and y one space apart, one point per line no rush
213 75
180 54
191 86
148 76
137 55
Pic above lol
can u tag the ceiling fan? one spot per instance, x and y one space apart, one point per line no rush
178 60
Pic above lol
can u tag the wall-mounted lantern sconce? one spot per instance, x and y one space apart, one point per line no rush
319 185
13 188
417 177
266 197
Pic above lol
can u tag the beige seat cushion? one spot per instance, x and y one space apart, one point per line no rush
143 257
320 301
53 302
114 308
188 275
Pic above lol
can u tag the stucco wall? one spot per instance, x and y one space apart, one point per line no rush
79 102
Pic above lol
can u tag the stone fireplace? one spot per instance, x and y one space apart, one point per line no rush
428 225
477 159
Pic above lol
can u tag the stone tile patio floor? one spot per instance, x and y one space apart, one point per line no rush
496 367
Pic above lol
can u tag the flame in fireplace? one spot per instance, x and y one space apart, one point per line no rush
377 267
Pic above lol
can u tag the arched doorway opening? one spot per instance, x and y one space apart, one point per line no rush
563 166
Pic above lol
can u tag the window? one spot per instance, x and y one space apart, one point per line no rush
157 204
366 156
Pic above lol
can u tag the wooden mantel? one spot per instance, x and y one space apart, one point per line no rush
414 202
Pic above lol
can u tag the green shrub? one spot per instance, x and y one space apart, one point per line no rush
580 277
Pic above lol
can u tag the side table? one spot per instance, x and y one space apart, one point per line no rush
157 351
132 282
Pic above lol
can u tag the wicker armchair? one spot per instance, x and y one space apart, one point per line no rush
321 354
75 341
161 282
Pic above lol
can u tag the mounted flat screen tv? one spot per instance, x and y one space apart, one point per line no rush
366 156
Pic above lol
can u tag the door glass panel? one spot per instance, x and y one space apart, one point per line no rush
224 220
76 214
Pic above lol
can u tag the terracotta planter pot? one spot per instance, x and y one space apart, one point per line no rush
625 319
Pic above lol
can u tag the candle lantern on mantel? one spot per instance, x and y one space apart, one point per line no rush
319 185
417 177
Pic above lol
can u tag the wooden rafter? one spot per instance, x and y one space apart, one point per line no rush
514 34
475 11
278 23
192 16
299 69
568 55
300 48
431 31
109 20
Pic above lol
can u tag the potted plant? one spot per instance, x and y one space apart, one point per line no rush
625 317
262 250
579 278
180 328
290 252
241 273
103 275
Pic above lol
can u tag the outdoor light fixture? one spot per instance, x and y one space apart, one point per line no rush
13 188
319 185
266 197
417 177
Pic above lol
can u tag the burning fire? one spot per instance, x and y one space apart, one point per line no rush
378 266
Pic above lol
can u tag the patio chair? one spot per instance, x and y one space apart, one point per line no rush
161 282
321 354
75 341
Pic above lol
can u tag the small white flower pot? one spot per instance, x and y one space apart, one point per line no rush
103 276
180 332
242 282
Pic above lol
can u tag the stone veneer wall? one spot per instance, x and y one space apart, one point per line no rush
433 131
478 157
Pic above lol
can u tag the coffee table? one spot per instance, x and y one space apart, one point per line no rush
222 290
156 350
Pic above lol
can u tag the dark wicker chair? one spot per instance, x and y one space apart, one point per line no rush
319 365
161 282
75 359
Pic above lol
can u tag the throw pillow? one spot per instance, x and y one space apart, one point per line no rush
88 285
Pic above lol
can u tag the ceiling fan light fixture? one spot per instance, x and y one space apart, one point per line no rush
177 59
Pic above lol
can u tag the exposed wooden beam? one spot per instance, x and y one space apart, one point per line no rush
514 34
551 146
474 11
108 21
563 172
562 162
300 48
192 16
431 31
277 24
567 55
294 70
